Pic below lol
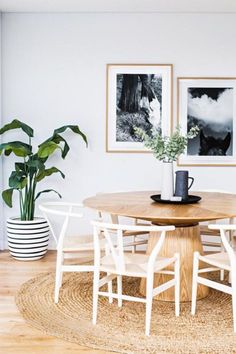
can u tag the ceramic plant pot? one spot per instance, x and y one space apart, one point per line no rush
27 240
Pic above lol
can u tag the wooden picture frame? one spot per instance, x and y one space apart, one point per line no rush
210 103
136 95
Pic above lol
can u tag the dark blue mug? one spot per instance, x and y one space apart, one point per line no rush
182 184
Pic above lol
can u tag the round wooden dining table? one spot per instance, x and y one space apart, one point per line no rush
186 237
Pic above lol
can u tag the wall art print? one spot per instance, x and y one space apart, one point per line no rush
138 95
209 103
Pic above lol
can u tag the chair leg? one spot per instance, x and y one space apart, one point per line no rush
58 279
61 276
234 301
194 285
109 286
222 274
119 290
149 293
134 247
177 284
95 295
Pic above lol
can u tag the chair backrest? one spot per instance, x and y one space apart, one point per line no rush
223 229
112 217
117 250
65 211
228 247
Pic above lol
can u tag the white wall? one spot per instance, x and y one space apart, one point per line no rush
54 73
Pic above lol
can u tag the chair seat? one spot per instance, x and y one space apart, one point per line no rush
138 242
219 260
204 230
127 233
211 244
80 243
133 233
136 264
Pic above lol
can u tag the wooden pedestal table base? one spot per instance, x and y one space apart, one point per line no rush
185 241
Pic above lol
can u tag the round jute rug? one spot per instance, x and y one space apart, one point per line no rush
122 329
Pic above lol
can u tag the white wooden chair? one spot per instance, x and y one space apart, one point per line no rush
118 263
79 247
211 239
215 244
224 260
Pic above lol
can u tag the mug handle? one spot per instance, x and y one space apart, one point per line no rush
191 183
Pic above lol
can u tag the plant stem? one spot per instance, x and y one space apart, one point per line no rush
34 190
21 205
32 195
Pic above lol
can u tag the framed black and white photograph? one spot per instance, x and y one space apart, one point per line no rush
138 95
210 104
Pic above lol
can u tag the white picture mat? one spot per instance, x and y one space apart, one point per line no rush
184 84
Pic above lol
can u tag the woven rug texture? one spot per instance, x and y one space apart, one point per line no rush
122 329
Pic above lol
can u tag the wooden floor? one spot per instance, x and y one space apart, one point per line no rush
16 337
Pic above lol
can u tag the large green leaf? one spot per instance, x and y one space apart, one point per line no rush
18 180
20 166
74 128
37 161
56 138
17 147
48 172
7 196
47 149
47 191
34 165
15 124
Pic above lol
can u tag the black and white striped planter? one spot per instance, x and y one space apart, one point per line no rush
27 240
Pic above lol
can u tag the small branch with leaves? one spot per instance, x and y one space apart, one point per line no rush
167 148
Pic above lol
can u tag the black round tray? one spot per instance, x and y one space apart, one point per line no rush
191 199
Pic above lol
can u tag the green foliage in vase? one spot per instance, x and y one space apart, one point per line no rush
167 148
32 169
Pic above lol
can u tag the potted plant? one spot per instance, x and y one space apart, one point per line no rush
167 149
28 235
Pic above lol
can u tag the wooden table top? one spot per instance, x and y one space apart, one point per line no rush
138 204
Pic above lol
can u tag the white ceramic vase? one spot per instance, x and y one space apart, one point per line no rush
167 189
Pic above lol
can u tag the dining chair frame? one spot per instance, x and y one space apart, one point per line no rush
118 256
216 264
49 209
212 232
